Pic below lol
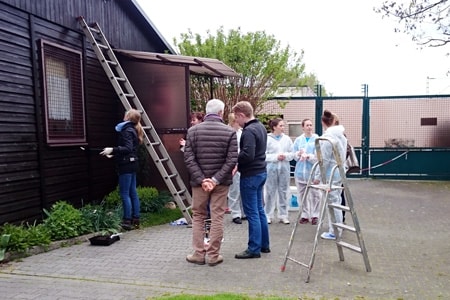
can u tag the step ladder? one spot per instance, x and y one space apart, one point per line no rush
327 186
130 100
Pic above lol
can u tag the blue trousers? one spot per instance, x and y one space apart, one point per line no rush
252 201
128 193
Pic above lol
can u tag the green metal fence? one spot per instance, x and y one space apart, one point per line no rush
402 137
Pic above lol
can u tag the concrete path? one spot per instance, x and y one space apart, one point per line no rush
405 227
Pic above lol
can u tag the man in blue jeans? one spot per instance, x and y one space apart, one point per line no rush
252 166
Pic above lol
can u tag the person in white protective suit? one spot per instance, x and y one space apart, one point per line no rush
336 134
279 153
234 195
304 147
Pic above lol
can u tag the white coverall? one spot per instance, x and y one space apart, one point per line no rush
278 175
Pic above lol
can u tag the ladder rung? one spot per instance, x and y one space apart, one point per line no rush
155 143
102 46
129 95
147 127
171 176
180 192
338 206
163 159
113 63
346 227
121 79
326 187
94 30
349 246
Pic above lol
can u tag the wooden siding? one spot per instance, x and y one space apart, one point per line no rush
120 20
19 176
34 175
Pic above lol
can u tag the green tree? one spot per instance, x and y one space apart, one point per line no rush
427 21
264 65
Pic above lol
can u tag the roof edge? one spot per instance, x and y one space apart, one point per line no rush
147 19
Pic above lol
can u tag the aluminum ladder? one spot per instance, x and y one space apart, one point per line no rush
129 99
326 186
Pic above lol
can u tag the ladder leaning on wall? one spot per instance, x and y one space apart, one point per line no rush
129 99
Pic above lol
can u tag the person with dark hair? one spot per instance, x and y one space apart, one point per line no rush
131 134
196 118
304 148
210 156
335 133
252 166
279 153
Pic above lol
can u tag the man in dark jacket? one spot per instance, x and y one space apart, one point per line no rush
252 165
210 155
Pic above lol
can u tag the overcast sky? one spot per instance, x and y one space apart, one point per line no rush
345 43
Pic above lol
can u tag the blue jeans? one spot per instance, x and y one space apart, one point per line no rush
128 193
252 201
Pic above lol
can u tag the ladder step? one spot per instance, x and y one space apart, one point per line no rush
346 227
163 159
155 143
129 95
171 176
326 187
349 246
103 46
112 63
147 127
338 206
180 192
94 30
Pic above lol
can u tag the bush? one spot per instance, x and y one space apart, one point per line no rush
22 237
151 200
112 200
102 218
64 221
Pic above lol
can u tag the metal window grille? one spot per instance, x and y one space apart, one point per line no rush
63 94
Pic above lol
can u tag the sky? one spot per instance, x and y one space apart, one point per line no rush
345 43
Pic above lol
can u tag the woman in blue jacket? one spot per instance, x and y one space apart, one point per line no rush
304 147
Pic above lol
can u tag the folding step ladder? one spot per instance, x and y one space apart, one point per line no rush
130 100
326 186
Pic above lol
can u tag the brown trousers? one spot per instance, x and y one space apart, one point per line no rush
217 204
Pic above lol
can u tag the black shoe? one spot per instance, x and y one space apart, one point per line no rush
237 220
126 225
243 218
136 223
265 250
246 254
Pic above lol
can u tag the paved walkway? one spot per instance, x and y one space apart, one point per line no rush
405 227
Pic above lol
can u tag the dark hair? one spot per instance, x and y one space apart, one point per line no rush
197 115
328 118
304 120
274 122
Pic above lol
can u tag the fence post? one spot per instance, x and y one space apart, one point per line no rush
365 134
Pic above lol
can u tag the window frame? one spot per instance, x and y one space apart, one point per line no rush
72 130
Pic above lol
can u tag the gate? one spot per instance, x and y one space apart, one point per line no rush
402 137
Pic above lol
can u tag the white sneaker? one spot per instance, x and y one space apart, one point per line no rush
284 221
269 221
328 236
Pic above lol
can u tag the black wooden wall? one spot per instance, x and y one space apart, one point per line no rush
34 175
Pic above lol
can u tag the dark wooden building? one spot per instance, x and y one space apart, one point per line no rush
55 99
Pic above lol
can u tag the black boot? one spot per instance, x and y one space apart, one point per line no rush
126 224
136 224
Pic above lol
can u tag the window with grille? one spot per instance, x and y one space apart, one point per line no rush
63 94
